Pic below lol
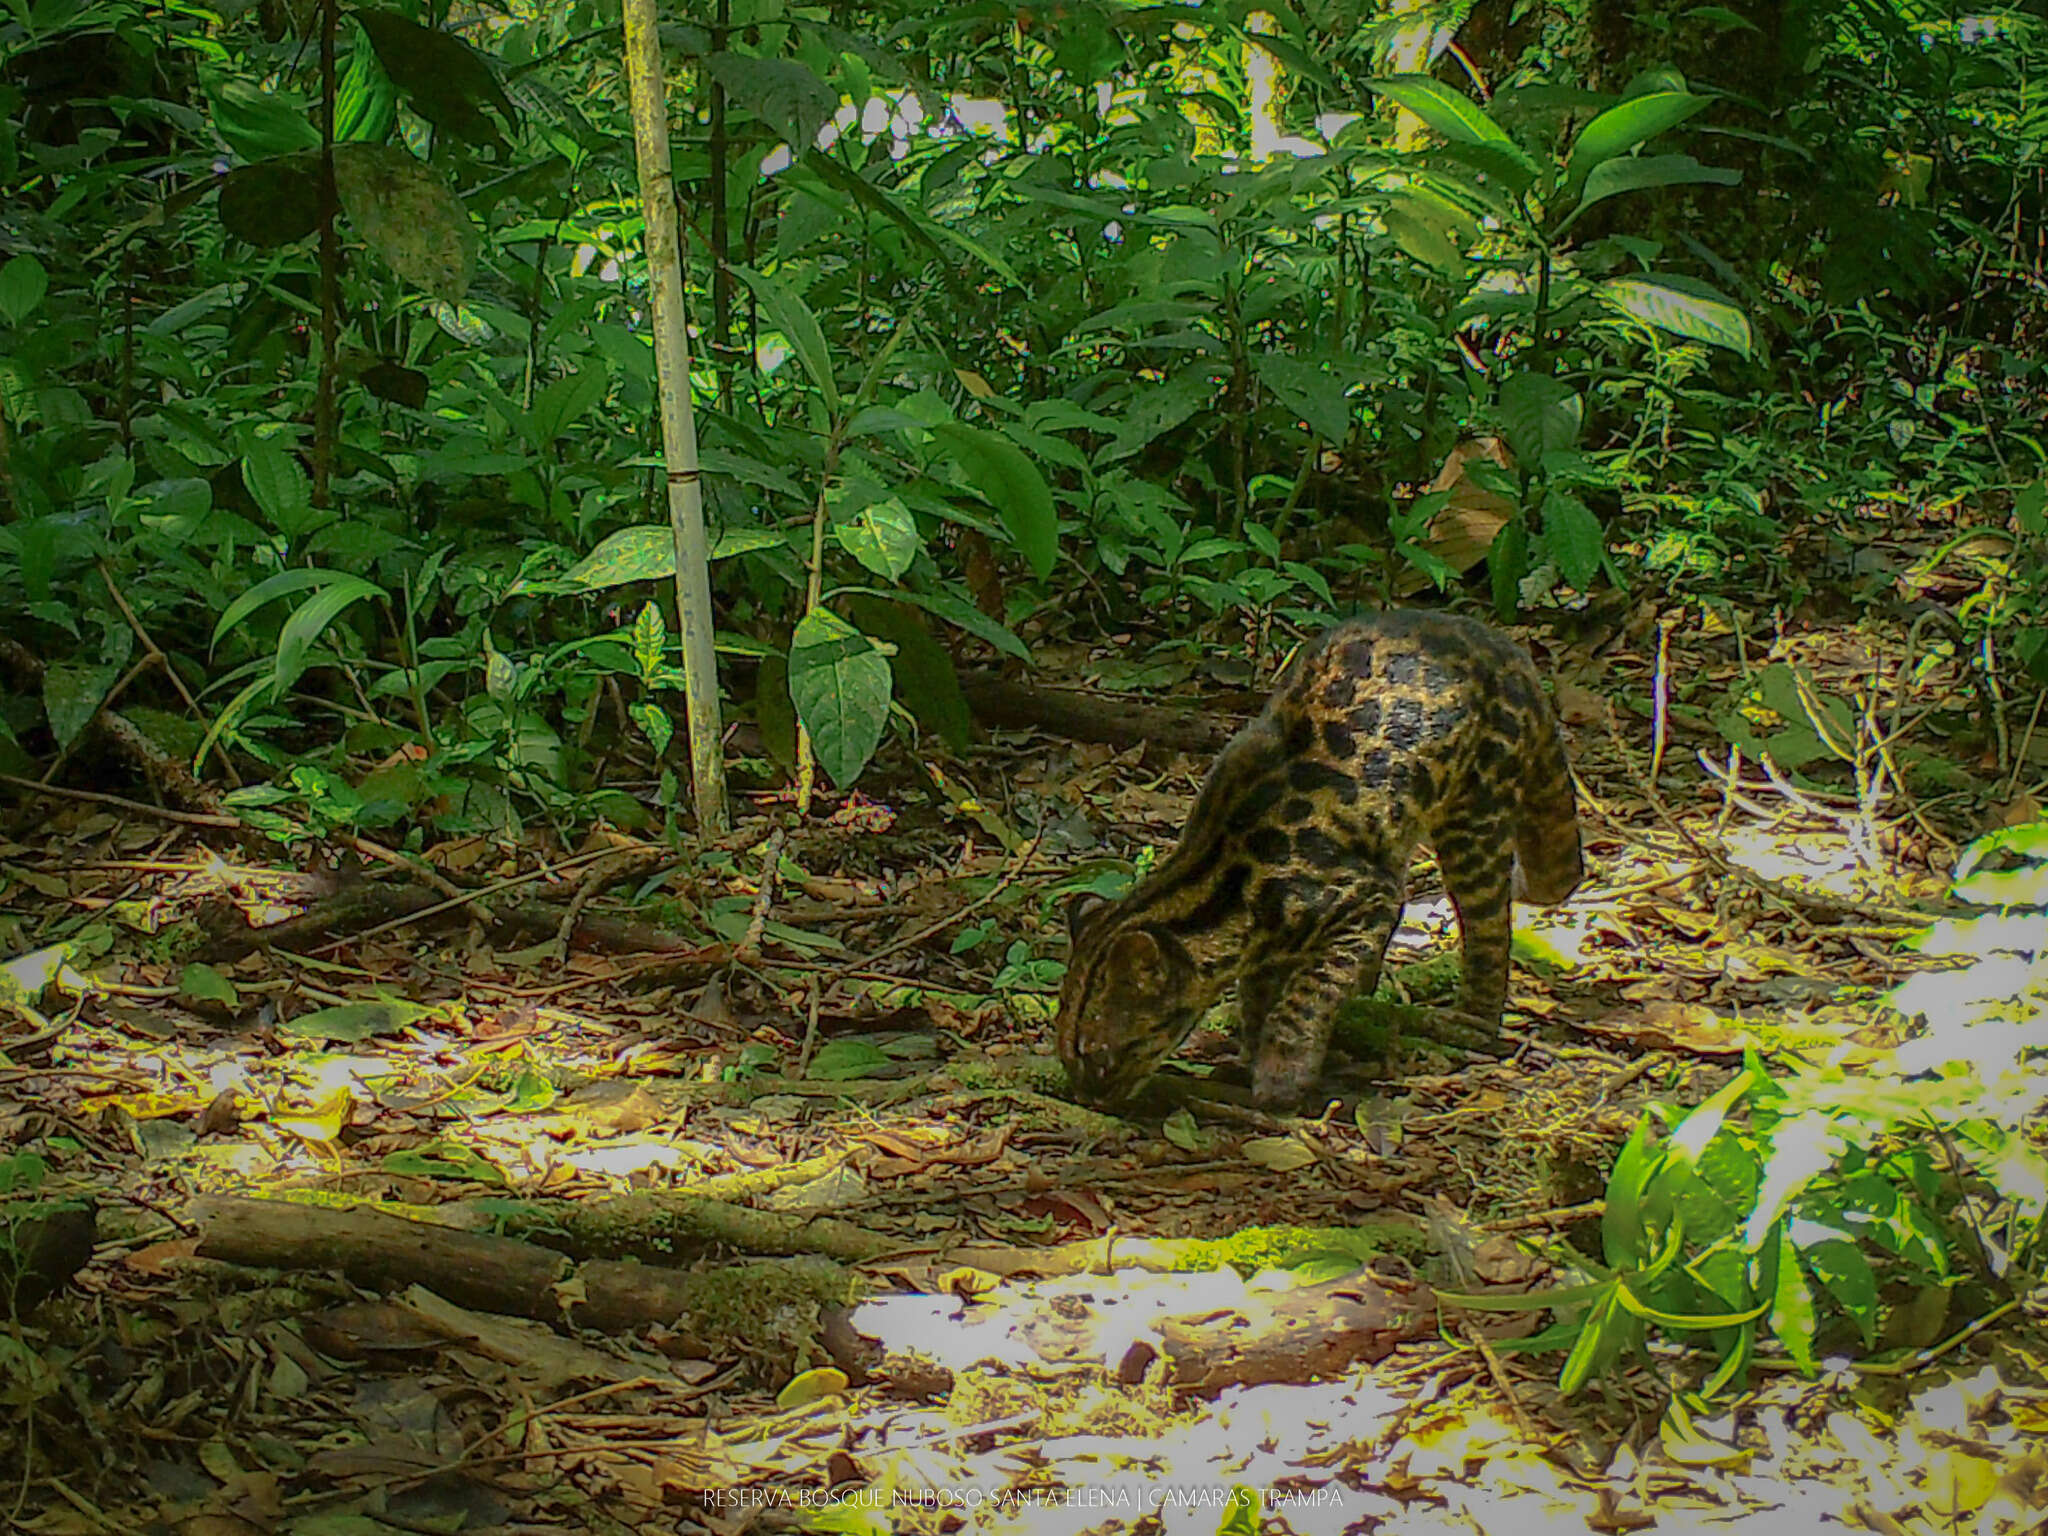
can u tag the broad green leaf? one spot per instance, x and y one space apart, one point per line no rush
959 612
365 100
23 282
309 621
1682 306
256 123
655 723
1306 389
206 984
1507 562
883 537
844 1061
558 407
409 215
1574 538
1450 112
926 680
782 93
448 81
1423 238
273 202
1637 173
789 314
443 1160
1154 410
1842 1269
839 681
1622 127
1541 415
1793 1320
647 552
72 695
351 1022
278 485
1621 1224
1011 483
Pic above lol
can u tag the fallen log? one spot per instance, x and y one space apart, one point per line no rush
488 1273
1078 714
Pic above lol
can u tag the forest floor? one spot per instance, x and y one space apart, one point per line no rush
1081 1323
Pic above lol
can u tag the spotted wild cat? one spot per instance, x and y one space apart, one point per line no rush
1390 731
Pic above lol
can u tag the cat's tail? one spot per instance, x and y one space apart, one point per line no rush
1548 864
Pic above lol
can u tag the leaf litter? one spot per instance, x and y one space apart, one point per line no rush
951 1298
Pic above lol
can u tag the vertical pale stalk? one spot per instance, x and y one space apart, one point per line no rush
678 419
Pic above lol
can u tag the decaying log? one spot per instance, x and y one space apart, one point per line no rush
754 1312
1079 715
388 1253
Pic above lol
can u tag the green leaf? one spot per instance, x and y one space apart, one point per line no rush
844 1061
789 314
1574 538
786 95
365 101
207 985
72 696
647 552
959 612
1507 562
309 621
2030 507
23 282
273 202
1011 483
268 590
1842 1269
1450 112
557 407
448 81
256 123
839 681
1541 415
443 1160
1792 1310
278 485
1306 389
883 537
1422 231
351 1022
1622 127
409 215
1682 306
926 680
1637 173
1622 1237
1153 410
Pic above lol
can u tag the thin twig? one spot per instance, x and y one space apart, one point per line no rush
467 898
94 797
1660 698
938 925
764 898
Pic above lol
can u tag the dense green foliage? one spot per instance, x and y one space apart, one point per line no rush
1107 293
